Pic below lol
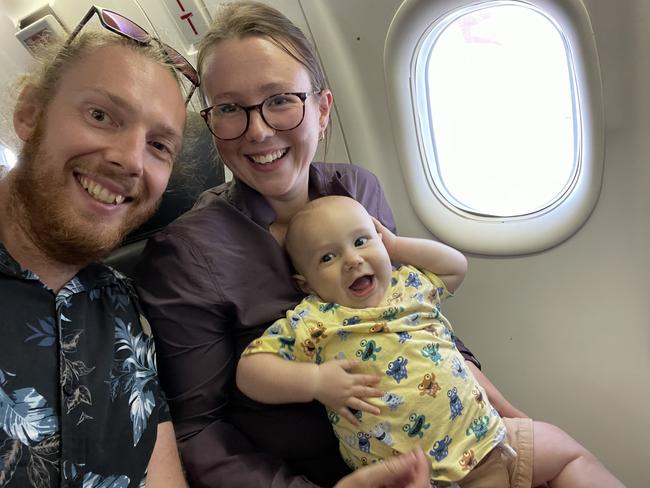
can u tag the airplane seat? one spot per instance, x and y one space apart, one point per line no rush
197 168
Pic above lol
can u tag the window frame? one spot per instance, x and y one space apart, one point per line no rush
471 232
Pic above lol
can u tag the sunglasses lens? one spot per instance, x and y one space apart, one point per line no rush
125 26
182 64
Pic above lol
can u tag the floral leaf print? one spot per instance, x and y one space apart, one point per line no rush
72 287
119 300
92 480
73 370
133 374
3 376
44 334
11 266
37 472
25 417
48 446
142 402
74 473
81 396
82 418
11 451
70 342
66 293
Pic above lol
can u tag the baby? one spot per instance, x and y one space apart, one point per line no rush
410 384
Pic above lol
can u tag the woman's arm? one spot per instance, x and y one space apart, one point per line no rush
196 365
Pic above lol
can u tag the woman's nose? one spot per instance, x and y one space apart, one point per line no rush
258 129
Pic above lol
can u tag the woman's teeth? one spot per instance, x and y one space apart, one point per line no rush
268 158
99 193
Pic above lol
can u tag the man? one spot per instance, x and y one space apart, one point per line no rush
80 404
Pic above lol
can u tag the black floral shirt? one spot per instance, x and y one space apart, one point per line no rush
80 401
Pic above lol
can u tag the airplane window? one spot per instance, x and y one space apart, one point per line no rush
498 115
499 77
7 160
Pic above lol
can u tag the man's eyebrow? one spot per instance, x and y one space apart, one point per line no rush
163 128
116 99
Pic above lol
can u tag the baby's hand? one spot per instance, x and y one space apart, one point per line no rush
340 390
388 238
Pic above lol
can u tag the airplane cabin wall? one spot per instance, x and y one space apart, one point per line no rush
563 333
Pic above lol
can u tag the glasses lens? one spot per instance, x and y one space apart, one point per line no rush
182 64
124 26
283 112
227 121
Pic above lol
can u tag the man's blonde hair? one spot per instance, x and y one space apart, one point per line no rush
55 58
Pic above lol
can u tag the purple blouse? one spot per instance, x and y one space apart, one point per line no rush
211 282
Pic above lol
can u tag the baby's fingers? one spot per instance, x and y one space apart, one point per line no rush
366 379
347 415
358 404
379 227
367 392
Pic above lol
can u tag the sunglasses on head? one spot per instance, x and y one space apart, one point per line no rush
119 24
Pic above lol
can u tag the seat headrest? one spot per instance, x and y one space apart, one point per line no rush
197 168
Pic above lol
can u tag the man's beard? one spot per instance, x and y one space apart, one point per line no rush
44 213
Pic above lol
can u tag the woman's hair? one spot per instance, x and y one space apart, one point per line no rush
54 58
242 19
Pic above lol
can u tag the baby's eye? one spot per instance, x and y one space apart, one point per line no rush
360 241
326 258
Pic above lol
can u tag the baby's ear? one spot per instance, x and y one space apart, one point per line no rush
301 283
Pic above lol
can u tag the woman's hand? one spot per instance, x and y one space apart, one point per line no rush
411 470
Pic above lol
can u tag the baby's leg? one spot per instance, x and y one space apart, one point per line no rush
562 462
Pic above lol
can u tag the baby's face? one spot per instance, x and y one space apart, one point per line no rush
342 257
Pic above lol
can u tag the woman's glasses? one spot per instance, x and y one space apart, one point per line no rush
119 24
229 121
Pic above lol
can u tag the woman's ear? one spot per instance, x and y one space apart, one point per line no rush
27 113
301 283
325 107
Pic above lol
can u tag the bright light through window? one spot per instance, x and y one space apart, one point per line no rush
502 111
7 158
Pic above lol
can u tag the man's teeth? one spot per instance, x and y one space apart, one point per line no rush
99 193
267 158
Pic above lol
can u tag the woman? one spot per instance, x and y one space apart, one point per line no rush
218 276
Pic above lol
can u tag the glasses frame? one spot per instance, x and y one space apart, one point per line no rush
205 113
179 61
